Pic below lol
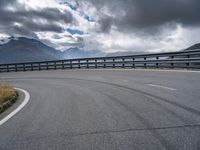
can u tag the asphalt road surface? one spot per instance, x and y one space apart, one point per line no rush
105 110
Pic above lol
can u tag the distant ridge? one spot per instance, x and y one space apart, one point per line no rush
21 49
193 47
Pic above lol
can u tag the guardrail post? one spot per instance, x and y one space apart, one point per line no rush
47 66
95 63
79 66
113 63
188 64
63 67
133 65
70 64
122 62
104 65
24 69
39 66
157 58
31 67
145 63
172 64
16 68
7 68
87 64
55 67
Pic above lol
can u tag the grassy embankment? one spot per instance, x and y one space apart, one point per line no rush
8 96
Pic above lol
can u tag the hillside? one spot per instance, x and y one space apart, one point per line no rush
23 50
193 47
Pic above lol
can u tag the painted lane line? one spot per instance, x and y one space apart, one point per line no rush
164 87
25 101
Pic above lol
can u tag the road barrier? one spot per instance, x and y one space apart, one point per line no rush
183 59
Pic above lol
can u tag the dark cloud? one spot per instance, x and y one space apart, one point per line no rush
26 22
105 24
149 15
138 18
5 2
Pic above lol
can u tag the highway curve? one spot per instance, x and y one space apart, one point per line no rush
105 110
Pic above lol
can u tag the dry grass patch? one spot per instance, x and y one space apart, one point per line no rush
6 93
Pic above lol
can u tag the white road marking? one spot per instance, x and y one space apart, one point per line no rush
164 87
25 101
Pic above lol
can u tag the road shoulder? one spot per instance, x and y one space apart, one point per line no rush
22 100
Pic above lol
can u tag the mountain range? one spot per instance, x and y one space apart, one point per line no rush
21 49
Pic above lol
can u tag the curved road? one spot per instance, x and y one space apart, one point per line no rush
105 109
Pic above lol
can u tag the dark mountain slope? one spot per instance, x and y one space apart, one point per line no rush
23 50
193 47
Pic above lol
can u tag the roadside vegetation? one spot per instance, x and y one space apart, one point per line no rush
8 96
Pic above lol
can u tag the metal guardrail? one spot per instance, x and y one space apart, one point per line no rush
184 59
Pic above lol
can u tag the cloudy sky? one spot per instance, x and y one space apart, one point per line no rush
106 25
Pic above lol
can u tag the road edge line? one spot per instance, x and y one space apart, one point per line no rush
14 112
